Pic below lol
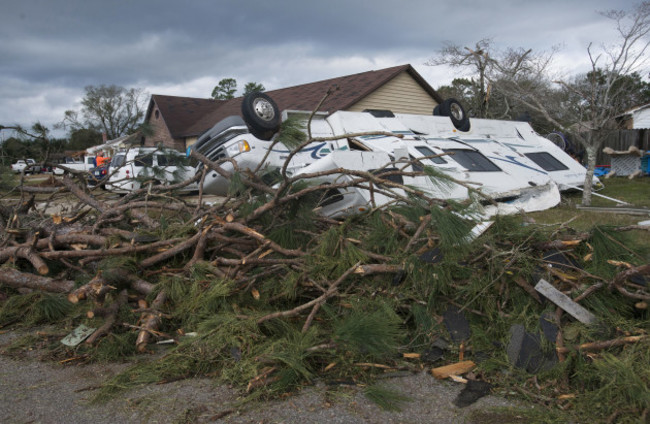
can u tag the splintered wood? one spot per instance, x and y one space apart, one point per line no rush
456 369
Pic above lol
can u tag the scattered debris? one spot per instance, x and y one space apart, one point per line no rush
456 324
525 351
436 351
564 302
473 391
458 368
548 326
276 296
77 336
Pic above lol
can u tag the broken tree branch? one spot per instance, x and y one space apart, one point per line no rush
16 279
111 316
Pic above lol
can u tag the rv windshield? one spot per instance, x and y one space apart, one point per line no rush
118 160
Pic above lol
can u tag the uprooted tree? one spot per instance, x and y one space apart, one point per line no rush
584 106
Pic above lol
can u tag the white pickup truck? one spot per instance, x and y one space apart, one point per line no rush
27 166
85 163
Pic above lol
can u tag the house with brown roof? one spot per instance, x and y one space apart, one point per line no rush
177 122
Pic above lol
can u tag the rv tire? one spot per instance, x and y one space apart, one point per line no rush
261 114
455 111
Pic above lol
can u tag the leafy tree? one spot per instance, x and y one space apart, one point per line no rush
225 90
83 138
30 143
253 87
111 109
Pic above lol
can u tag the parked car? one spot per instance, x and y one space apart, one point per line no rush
132 169
28 166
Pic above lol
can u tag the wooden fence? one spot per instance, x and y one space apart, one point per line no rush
622 140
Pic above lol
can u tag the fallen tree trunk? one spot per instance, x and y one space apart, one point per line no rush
16 279
25 252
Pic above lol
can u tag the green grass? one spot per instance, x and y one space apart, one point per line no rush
636 192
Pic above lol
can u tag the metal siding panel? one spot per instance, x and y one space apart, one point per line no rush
642 119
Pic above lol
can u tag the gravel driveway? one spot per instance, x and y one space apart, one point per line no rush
40 392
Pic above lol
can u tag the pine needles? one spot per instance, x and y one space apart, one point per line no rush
275 300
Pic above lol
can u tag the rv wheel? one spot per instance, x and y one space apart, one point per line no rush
261 114
455 111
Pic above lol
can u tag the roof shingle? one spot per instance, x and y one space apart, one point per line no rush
187 117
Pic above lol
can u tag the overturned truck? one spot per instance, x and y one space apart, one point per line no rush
506 165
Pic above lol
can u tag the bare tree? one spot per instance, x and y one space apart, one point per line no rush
585 105
113 110
477 61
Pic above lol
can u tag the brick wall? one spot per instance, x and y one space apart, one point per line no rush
161 134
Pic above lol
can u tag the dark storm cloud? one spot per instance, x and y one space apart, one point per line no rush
50 50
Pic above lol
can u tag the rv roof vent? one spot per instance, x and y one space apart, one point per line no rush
380 113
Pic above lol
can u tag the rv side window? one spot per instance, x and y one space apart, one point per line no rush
390 174
143 160
162 160
330 196
546 161
428 152
472 160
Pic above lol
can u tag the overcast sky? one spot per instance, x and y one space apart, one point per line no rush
51 49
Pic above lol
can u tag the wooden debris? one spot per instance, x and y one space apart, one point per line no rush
151 321
370 269
521 282
458 368
111 315
596 346
16 279
95 288
565 302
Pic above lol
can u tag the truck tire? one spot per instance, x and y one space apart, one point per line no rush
455 111
261 114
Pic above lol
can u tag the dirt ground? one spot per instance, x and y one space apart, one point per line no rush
40 392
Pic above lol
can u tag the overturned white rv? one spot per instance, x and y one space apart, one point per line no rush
505 161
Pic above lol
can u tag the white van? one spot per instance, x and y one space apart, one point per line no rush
135 168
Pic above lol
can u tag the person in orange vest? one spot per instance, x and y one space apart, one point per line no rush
100 160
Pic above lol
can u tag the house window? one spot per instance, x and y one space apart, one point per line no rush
157 113
546 161
472 160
